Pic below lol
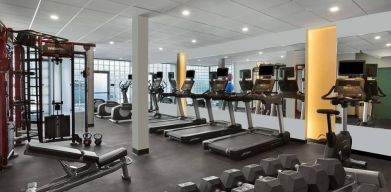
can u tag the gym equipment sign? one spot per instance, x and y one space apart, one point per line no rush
57 49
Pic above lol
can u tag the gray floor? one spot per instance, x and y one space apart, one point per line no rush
167 164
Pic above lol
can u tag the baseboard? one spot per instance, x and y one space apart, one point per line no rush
374 155
298 140
140 152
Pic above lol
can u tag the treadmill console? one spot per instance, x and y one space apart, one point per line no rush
246 85
187 85
352 88
263 86
219 85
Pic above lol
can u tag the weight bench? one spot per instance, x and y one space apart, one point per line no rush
93 167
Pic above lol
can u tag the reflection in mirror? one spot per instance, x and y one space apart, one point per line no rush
244 68
374 110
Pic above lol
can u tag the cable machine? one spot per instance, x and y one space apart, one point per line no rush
37 49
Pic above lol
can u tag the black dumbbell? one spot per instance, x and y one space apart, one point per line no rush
232 178
315 176
334 170
271 165
211 184
292 181
268 184
187 187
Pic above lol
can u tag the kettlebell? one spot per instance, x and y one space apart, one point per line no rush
87 139
77 138
98 138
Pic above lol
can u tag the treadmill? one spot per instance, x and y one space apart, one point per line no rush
256 139
214 128
182 121
289 89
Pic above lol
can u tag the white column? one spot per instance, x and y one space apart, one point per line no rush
140 132
90 87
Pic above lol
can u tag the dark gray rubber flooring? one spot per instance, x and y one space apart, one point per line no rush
168 163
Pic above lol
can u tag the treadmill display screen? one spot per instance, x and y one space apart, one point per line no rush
266 70
245 74
190 74
130 76
222 72
351 67
287 72
170 75
371 70
159 75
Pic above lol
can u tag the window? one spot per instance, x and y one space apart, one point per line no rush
165 68
201 78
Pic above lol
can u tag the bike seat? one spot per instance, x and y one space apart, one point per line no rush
328 111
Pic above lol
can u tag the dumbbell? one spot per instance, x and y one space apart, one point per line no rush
270 167
234 178
334 170
187 187
315 176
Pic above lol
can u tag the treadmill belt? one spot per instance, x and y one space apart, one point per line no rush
166 123
195 130
241 141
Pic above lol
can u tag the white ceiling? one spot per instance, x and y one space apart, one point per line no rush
210 21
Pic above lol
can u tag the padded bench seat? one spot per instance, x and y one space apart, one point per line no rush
67 153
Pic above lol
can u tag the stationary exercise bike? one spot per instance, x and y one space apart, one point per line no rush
123 112
347 91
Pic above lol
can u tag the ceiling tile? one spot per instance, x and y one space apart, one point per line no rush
374 6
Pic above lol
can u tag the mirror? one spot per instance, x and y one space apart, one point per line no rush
375 48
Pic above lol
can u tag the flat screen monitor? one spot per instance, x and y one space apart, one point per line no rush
212 75
222 72
266 70
287 72
245 74
371 70
130 76
351 68
190 74
159 74
170 75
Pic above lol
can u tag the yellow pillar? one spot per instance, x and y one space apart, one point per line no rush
320 76
181 75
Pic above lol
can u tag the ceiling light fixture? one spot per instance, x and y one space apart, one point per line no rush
247 60
282 56
185 12
160 48
377 37
225 57
388 44
120 58
260 52
245 29
194 41
54 17
198 60
111 42
334 9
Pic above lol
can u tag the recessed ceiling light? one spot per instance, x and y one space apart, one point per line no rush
388 44
120 58
198 60
377 37
94 49
282 56
225 57
334 9
194 41
245 29
111 42
185 12
260 52
247 60
160 48
54 17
